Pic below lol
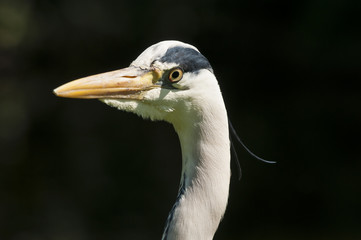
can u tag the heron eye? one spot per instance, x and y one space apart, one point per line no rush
175 75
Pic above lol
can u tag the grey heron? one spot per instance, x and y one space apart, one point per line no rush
174 82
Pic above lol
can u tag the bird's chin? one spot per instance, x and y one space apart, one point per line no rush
145 109
122 104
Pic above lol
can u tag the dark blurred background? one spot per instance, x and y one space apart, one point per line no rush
78 169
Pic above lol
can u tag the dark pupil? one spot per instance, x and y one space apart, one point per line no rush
175 74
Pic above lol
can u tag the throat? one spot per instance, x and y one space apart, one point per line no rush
204 185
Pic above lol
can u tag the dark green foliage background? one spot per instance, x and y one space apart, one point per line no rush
77 169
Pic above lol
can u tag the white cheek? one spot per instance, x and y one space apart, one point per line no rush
151 95
160 99
180 86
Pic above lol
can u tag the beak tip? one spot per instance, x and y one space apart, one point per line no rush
56 93
59 92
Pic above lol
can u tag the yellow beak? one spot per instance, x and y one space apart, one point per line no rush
126 83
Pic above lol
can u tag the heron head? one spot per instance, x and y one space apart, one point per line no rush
167 78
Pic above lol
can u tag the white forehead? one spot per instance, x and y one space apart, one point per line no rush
156 52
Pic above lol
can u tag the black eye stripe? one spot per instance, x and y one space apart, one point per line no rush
188 59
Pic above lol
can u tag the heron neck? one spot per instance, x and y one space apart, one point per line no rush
203 192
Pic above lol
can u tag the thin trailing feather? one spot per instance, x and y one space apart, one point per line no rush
233 131
239 169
